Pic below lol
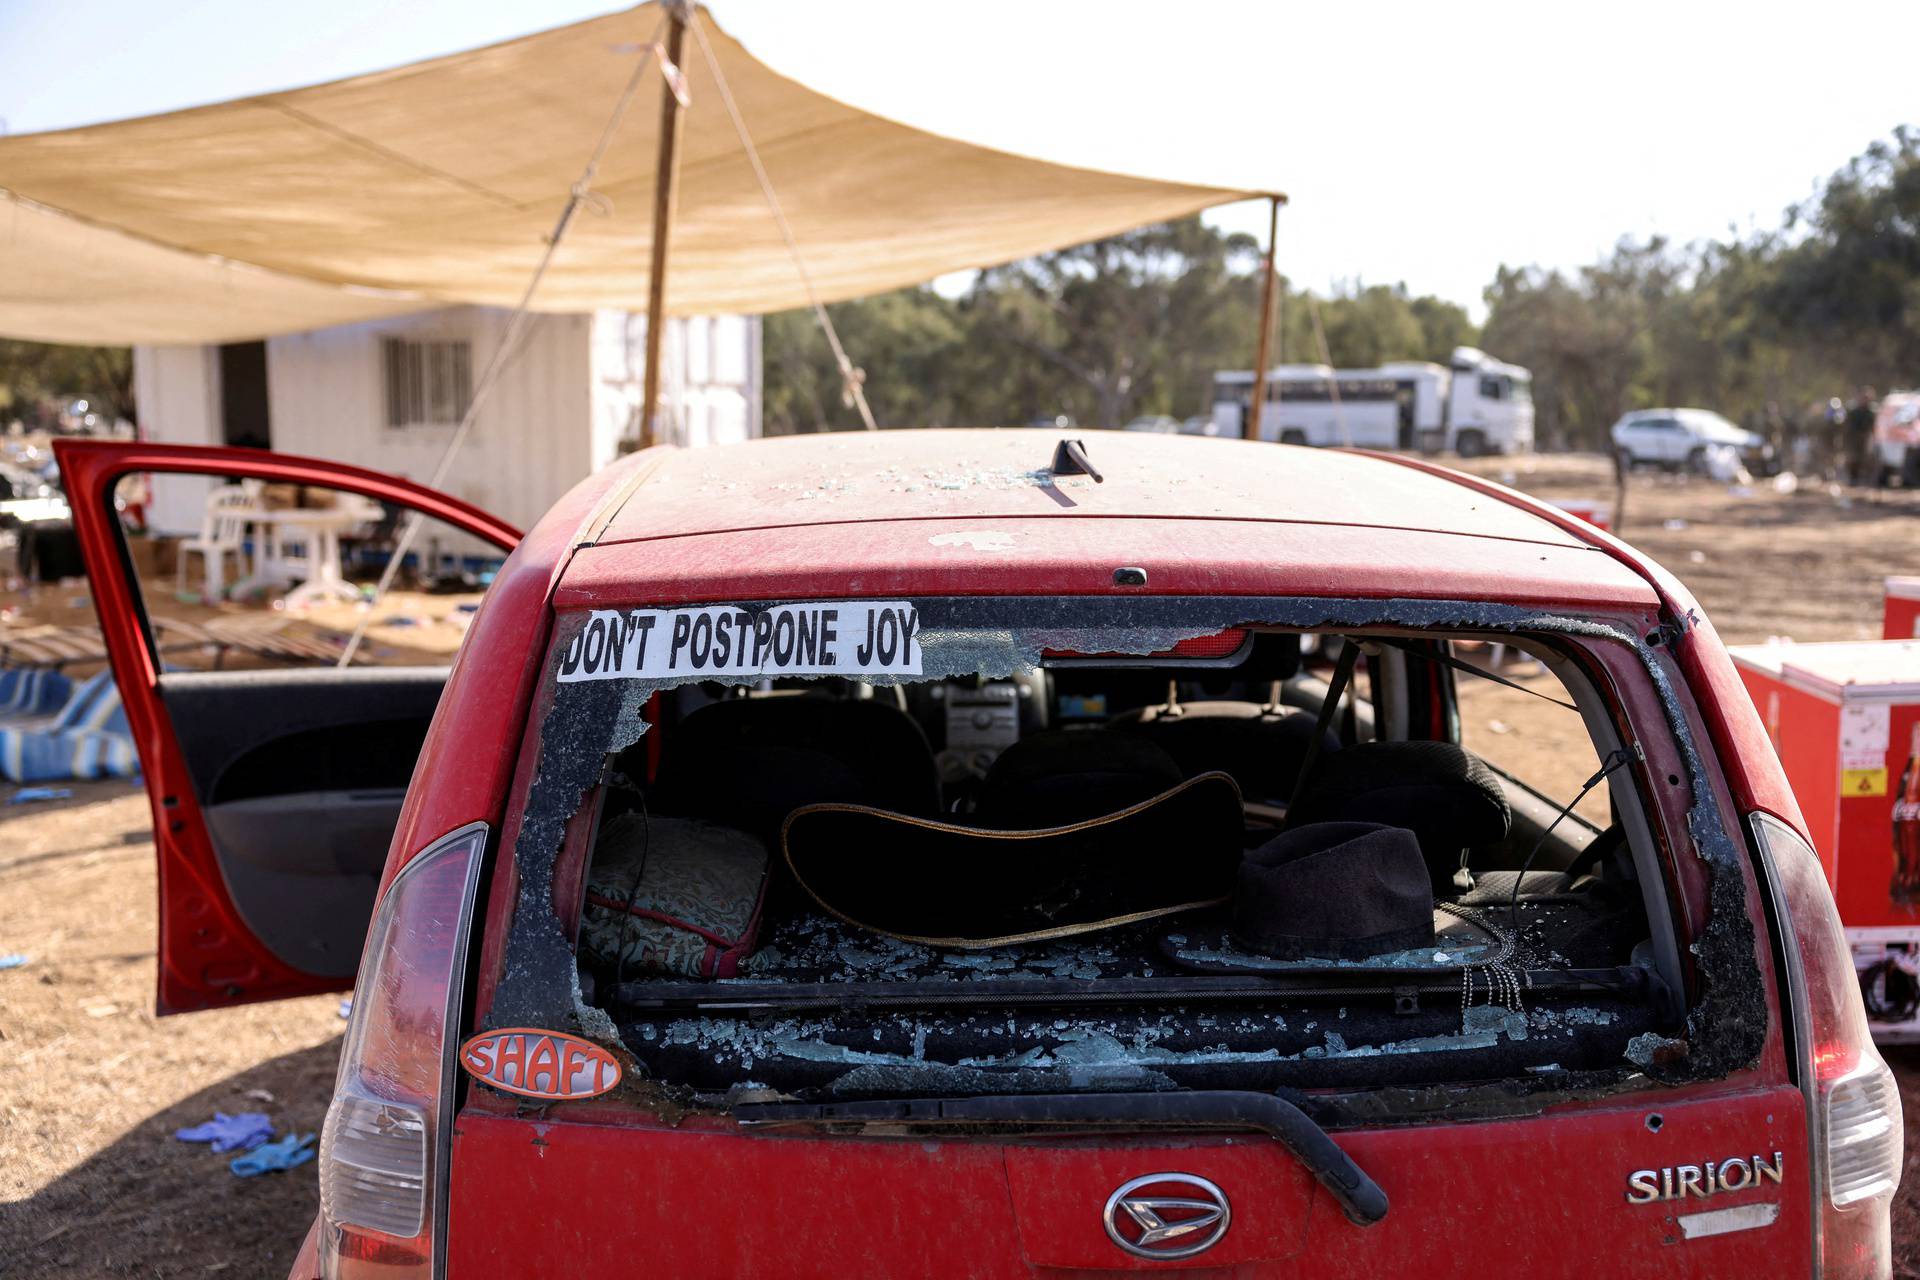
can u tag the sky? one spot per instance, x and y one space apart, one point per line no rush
1419 143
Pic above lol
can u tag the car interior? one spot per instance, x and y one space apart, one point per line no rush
1263 858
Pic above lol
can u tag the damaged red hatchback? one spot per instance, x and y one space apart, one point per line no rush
957 853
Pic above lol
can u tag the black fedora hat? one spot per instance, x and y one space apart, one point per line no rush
1334 890
946 885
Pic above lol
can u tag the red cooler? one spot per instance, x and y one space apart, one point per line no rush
1900 620
1845 719
1597 514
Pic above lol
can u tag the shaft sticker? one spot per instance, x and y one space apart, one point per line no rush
857 638
538 1063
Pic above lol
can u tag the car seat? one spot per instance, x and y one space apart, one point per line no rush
1064 776
749 762
1262 748
1443 793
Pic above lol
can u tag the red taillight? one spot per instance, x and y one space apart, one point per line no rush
1856 1127
383 1146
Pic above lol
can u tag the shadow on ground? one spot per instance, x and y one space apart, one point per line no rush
148 1205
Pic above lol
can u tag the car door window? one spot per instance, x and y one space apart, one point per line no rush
235 574
1524 732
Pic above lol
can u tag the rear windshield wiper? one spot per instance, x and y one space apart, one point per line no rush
1358 1195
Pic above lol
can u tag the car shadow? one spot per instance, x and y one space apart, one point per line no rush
150 1205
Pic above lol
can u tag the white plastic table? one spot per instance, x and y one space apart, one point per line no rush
316 575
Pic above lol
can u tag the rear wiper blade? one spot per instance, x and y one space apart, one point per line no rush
1358 1195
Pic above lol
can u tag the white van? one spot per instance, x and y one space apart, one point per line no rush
1474 405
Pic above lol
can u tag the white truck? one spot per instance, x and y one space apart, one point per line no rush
1474 405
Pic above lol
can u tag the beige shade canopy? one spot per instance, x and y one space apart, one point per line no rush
437 184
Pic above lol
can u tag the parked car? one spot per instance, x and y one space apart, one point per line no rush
1896 438
1683 439
890 855
1155 424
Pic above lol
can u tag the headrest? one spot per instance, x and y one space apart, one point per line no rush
1442 793
946 885
1263 749
1334 890
749 762
1062 776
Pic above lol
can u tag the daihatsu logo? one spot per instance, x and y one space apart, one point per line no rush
1167 1215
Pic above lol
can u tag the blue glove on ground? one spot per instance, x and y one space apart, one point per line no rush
287 1153
230 1133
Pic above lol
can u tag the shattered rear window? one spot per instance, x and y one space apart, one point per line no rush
880 848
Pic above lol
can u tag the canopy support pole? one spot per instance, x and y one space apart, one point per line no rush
1250 428
665 183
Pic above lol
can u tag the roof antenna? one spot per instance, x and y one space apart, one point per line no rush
1070 459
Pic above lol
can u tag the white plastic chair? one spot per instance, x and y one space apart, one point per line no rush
223 531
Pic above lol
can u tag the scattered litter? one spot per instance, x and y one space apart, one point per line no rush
230 1133
1723 464
400 620
288 1153
100 1010
13 960
346 1007
1696 557
260 1095
1674 525
1786 482
1499 726
30 795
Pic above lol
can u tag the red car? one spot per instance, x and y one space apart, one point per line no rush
985 854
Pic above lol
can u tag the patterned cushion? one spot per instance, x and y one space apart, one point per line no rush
673 896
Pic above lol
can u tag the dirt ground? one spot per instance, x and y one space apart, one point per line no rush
92 1086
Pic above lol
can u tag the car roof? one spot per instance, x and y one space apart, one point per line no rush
933 512
863 477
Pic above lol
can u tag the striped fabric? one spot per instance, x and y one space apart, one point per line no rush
31 691
87 739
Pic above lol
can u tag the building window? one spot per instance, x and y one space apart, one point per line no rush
428 383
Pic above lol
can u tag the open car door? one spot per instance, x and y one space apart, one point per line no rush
275 775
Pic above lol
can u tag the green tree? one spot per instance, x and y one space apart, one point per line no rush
1102 332
36 378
